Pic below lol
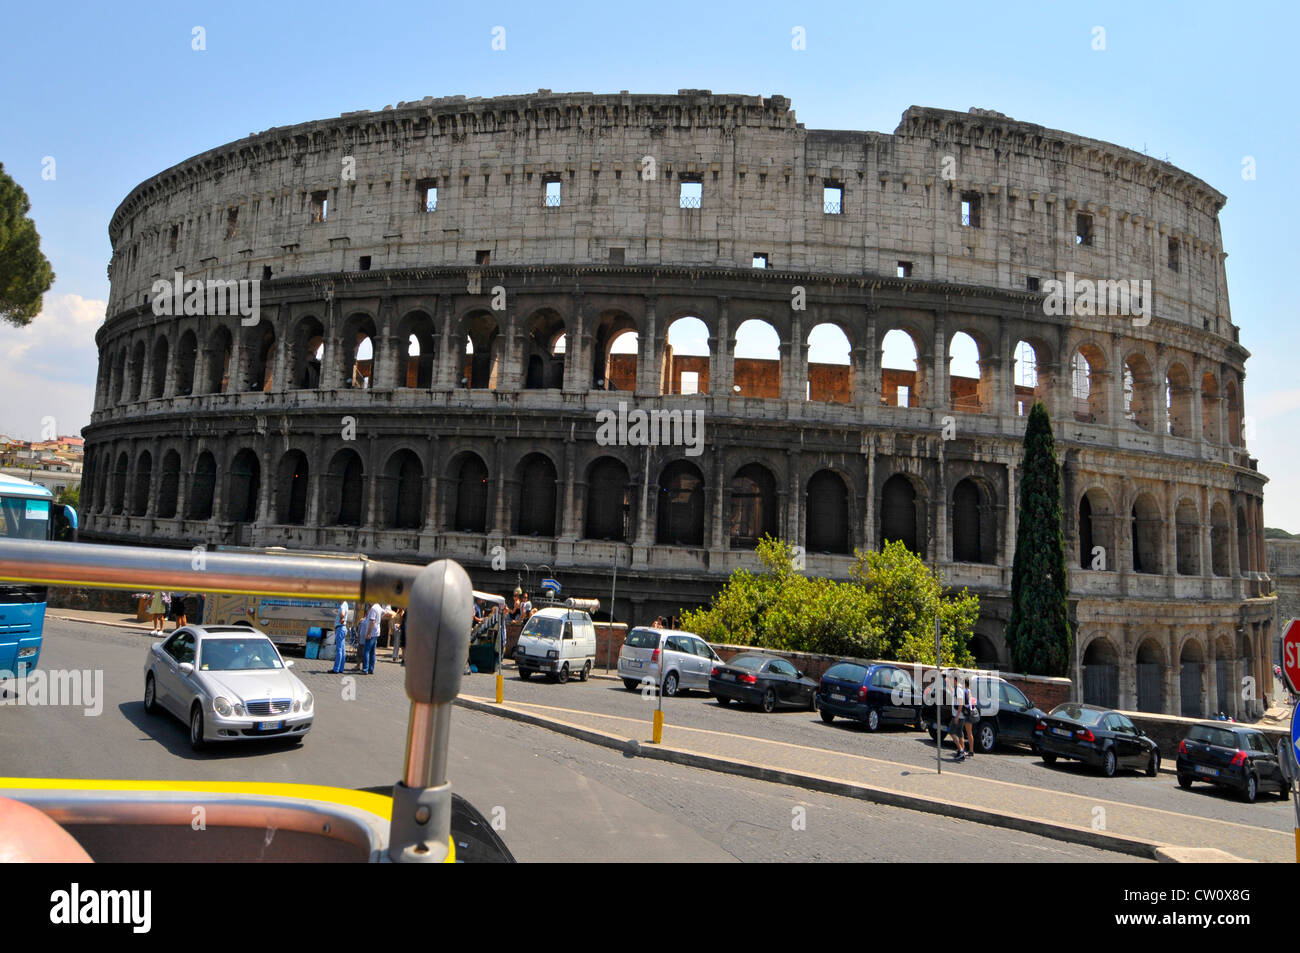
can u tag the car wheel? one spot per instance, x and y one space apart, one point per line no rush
722 699
670 685
934 734
196 728
826 716
1153 764
1251 790
1108 763
1049 758
525 674
1185 781
562 676
873 719
1284 792
586 671
150 695
769 700
630 684
987 737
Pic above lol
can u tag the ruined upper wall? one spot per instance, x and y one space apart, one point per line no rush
762 173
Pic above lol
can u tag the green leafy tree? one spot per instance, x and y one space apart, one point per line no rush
1038 633
71 496
25 274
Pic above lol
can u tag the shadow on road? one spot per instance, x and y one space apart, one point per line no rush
170 732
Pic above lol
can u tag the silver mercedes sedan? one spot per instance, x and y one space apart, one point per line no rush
228 683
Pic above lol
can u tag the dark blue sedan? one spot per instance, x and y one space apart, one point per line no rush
872 694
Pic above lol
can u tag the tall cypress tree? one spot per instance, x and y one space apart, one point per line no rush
1038 634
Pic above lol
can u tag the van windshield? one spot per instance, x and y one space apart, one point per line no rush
542 627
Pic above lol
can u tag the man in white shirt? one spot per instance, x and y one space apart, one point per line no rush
341 617
370 635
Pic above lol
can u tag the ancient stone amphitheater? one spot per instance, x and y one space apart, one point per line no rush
452 291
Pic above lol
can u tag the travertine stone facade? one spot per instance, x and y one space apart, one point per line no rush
350 415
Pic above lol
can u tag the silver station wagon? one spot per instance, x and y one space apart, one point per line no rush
228 683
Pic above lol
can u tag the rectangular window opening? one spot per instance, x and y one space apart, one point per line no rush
970 209
904 395
692 194
690 382
905 269
232 223
483 256
319 207
266 272
1031 283
833 199
365 262
760 260
173 241
428 193
553 190
617 256
1173 254
1083 229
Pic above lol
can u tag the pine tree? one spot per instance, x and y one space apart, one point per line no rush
1038 634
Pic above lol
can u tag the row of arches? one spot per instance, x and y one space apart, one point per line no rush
482 349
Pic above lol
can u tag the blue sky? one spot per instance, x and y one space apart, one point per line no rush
115 93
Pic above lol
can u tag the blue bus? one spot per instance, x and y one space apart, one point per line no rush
27 511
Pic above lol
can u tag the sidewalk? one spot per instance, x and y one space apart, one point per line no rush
1109 825
115 619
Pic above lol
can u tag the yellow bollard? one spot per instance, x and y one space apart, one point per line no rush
501 686
658 736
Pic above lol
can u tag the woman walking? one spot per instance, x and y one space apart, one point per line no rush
157 611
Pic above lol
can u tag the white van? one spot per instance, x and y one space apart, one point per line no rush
559 642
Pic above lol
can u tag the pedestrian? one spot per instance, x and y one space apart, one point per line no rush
340 638
398 628
957 723
374 620
972 717
526 610
180 600
157 611
658 623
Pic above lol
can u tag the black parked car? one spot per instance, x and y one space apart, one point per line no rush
1231 756
874 695
762 680
1006 715
1097 736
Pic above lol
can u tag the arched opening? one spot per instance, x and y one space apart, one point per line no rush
143 476
1150 677
245 487
900 375
218 371
968 391
1178 401
1234 413
117 386
1191 677
1088 384
1026 379
1210 408
202 486
119 485
681 505
1101 674
1243 543
686 358
1223 687
260 348
417 330
187 353
753 502
830 373
1139 389
756 360
1147 535
535 515
1096 522
1187 539
609 501
293 488
827 512
617 344
482 365
898 512
1219 540
973 537
169 482
545 345
358 351
137 369
404 480
985 652
307 353
470 482
158 371
346 488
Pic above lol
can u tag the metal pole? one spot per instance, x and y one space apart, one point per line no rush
938 696
613 586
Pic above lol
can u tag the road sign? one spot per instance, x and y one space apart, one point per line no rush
1291 655
551 584
1295 740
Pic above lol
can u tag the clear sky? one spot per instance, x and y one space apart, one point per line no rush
115 93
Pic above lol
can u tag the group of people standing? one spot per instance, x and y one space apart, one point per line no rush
367 634
179 606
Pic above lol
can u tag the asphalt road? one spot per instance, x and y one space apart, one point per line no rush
559 799
907 745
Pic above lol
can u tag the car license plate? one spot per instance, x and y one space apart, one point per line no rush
1063 733
837 698
1202 769
728 678
634 663
270 725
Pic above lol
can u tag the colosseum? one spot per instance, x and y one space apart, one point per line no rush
450 292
